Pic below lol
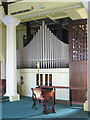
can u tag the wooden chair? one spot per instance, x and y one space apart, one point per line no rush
45 95
37 96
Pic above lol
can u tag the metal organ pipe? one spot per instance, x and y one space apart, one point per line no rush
41 47
44 48
43 26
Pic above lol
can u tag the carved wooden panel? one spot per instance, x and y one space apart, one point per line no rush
78 58
49 102
79 42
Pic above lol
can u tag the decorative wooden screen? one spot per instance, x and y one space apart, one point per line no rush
79 42
78 59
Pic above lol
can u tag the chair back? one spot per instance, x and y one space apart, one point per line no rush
37 92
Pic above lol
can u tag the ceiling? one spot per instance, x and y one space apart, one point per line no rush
52 10
51 24
59 27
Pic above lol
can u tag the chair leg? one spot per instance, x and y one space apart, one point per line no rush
39 101
34 104
35 107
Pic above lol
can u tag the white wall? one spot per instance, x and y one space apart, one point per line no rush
60 77
19 37
0 42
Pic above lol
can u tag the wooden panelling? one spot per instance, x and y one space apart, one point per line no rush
3 86
78 80
78 58
82 67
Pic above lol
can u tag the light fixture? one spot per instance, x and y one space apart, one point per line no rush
41 7
52 11
38 65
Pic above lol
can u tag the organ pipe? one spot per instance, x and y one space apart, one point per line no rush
44 48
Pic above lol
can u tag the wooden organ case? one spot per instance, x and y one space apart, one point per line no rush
78 59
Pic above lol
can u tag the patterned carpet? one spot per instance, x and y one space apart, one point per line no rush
23 110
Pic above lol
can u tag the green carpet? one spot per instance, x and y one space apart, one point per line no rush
23 109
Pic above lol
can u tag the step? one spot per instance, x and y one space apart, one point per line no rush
4 98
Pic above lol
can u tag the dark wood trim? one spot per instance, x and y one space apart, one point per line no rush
77 103
54 87
70 93
76 22
73 88
5 6
63 101
12 2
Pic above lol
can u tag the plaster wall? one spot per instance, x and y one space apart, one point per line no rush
19 37
0 42
60 77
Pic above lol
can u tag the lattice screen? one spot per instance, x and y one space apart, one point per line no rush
79 42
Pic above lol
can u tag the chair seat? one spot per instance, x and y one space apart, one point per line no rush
40 98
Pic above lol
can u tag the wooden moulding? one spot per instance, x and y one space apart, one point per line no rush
71 89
